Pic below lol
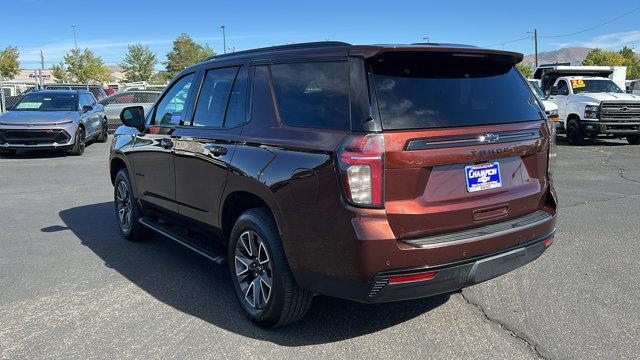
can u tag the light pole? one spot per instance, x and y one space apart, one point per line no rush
426 39
224 40
535 45
75 39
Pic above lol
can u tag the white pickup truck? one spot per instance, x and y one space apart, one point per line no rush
595 106
591 101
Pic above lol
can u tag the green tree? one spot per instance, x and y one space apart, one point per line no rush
60 73
604 57
138 64
9 64
83 67
159 78
525 70
632 62
185 53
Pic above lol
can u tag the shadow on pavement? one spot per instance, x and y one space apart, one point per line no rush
561 140
38 154
193 285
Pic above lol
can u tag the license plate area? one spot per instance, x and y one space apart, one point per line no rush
483 176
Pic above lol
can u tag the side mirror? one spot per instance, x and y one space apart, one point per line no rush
87 108
133 116
553 90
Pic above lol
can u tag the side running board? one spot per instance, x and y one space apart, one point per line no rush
171 233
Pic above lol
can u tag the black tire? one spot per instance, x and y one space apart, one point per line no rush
79 143
633 139
133 230
286 302
104 134
574 133
7 152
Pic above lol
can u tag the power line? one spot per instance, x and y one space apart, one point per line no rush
509 41
593 27
569 34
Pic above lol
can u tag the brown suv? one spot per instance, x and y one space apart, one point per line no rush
368 172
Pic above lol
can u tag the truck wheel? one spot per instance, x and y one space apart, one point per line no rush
127 211
574 134
633 139
260 273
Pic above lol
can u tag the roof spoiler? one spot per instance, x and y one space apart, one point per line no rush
454 51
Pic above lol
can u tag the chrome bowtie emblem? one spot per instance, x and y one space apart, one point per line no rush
624 109
489 138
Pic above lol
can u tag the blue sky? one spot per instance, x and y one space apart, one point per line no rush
108 26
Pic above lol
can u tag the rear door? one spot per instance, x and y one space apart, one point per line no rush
203 151
464 142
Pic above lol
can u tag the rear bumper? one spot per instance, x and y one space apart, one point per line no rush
452 277
464 259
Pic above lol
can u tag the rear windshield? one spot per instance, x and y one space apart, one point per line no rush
433 93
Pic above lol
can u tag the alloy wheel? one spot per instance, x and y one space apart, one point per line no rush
123 200
253 269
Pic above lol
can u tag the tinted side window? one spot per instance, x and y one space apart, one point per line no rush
562 88
313 94
214 96
170 111
236 111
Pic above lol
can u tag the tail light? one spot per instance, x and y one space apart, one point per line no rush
360 160
551 161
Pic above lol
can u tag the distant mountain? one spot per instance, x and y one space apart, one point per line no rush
573 55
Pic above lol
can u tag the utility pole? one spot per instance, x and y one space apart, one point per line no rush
41 60
224 40
426 39
75 39
535 43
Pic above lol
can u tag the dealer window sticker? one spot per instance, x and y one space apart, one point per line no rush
579 83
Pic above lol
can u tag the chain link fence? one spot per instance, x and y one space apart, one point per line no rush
12 91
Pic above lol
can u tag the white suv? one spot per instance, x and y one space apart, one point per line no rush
593 106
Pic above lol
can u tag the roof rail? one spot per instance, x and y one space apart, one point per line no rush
282 47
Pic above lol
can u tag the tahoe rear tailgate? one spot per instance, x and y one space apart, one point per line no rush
426 189
466 141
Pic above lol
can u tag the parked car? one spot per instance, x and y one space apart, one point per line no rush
634 87
53 119
595 106
114 104
373 173
549 107
97 90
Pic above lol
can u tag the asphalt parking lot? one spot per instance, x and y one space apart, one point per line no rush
71 287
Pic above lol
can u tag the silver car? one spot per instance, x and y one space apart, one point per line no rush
53 119
114 104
